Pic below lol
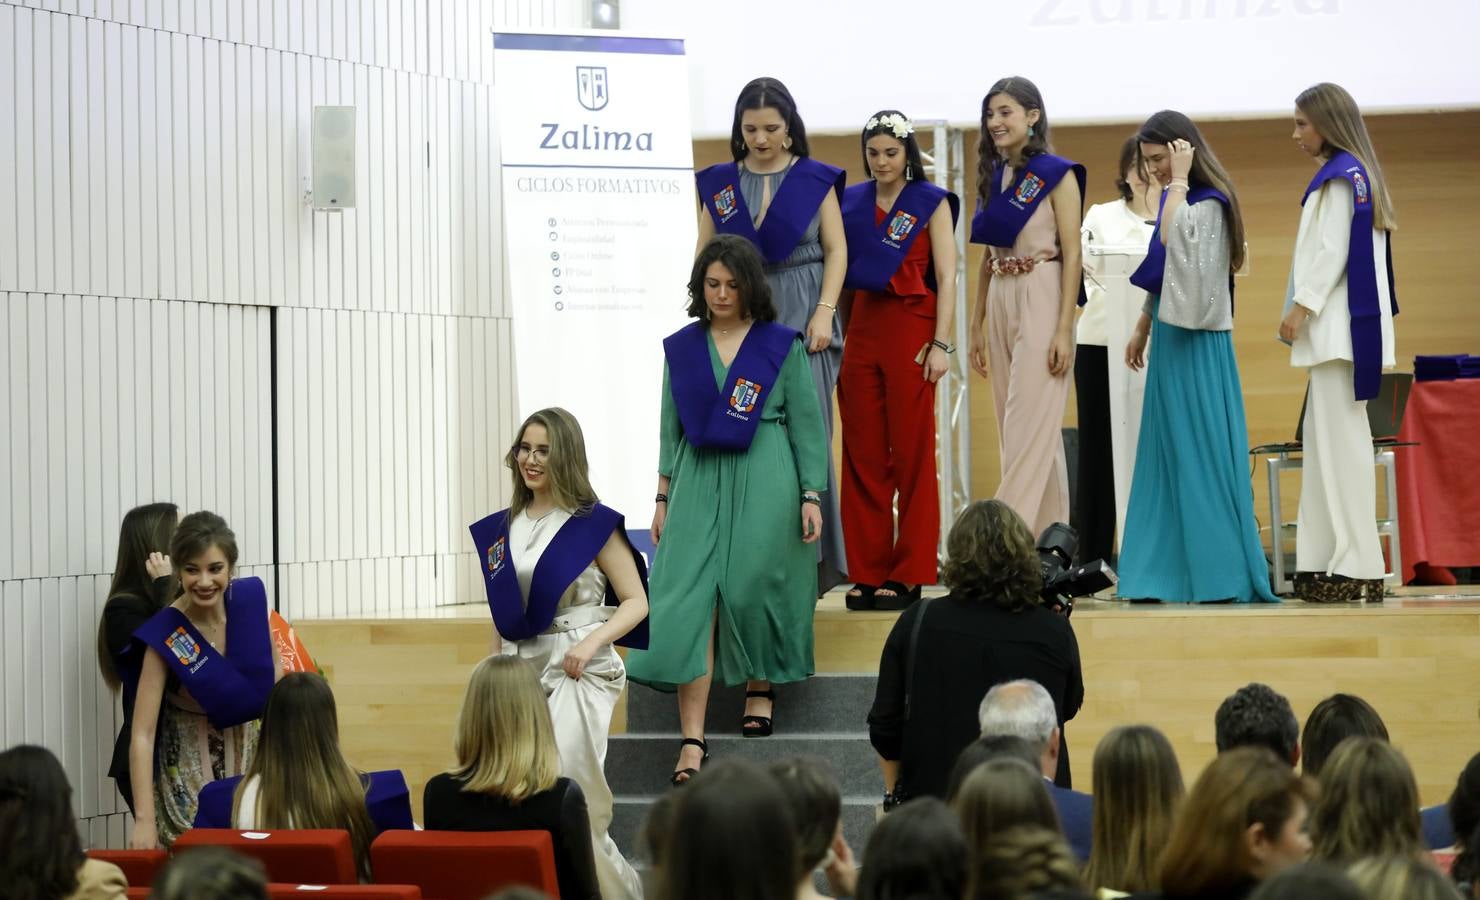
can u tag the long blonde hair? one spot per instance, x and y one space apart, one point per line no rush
1368 804
505 742
1335 116
303 778
1137 790
566 468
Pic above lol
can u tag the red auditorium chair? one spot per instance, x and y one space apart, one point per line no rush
344 891
299 856
465 865
139 866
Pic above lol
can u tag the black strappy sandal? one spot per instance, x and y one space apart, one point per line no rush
901 599
863 600
758 726
684 776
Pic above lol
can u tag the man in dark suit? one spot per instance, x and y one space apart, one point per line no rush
1024 709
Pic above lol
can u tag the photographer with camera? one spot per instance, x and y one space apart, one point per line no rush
945 653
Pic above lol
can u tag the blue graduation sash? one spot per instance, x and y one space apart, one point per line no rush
572 549
232 689
386 796
792 206
725 421
1363 299
998 223
1152 270
875 252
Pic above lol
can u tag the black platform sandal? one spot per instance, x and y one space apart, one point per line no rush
861 601
683 776
758 726
900 599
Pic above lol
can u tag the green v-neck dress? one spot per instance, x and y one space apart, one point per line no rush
733 540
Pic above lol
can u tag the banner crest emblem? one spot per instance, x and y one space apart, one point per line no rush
591 87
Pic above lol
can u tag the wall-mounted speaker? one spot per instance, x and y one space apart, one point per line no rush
333 157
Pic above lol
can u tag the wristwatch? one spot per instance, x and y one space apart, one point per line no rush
942 345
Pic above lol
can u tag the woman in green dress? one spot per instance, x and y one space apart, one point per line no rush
742 465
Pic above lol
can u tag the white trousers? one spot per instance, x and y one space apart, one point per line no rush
1337 533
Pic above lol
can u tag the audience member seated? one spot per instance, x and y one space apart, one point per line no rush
1024 709
998 746
211 873
1402 878
42 856
1445 826
1137 791
1466 869
1368 804
1335 719
1022 863
508 773
731 837
1001 794
1242 822
917 851
1255 715
1310 881
298 778
817 812
991 628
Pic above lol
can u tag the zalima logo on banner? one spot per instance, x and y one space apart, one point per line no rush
591 87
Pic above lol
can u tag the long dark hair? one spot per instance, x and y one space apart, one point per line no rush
146 529
42 848
918 851
768 93
914 165
1170 125
744 262
304 780
1028 96
1128 150
731 838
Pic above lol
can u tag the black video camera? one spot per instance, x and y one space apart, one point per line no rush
1062 580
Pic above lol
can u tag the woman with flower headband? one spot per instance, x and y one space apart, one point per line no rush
900 232
786 204
1029 216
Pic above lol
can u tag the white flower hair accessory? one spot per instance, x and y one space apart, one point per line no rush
896 123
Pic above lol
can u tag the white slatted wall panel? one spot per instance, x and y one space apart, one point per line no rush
151 215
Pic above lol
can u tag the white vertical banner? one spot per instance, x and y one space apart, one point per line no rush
599 230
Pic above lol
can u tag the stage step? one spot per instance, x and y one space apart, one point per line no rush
824 717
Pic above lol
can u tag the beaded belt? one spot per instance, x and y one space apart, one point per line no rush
1012 265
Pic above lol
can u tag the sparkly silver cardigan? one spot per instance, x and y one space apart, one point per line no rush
1194 290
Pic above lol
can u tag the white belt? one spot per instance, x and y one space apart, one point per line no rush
579 617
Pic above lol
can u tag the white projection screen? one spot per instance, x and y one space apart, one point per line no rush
1095 60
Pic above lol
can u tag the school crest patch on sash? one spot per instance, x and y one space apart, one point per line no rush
745 395
1028 191
724 202
183 646
1363 193
900 226
496 557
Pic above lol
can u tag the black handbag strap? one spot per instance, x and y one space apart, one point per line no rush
912 656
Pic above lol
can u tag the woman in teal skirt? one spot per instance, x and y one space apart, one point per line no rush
741 467
1190 532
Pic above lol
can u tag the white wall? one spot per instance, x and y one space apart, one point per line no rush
153 236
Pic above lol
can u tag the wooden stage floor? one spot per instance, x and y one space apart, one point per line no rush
399 679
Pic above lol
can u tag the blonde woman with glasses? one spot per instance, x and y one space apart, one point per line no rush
564 584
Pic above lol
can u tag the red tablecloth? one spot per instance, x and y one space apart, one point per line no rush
1439 480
